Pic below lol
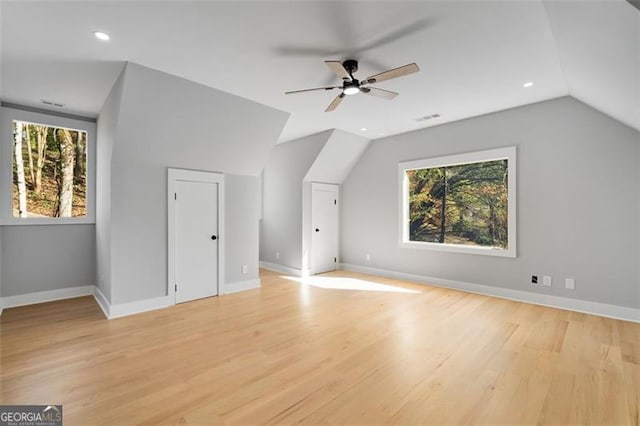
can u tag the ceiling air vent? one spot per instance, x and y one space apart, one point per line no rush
428 117
51 103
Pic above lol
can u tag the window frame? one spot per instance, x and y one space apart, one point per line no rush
8 116
506 153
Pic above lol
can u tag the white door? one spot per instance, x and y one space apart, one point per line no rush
324 227
196 240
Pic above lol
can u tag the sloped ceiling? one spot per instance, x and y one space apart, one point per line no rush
599 48
208 125
337 158
474 55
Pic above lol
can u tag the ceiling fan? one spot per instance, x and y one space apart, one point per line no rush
353 86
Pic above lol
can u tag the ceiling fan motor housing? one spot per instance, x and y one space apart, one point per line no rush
350 87
351 65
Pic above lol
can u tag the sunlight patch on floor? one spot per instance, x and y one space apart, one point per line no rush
343 283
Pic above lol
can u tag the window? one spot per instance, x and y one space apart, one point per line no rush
462 203
47 168
49 171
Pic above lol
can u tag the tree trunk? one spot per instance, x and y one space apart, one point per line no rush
443 211
492 223
22 189
81 149
28 141
66 166
41 144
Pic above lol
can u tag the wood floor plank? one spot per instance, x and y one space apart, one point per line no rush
341 348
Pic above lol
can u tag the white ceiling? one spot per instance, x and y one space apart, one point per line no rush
474 55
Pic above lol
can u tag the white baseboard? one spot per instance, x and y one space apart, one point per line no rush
577 305
102 302
125 309
139 306
44 296
238 286
275 267
130 308
111 311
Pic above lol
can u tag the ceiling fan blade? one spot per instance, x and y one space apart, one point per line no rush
337 67
303 51
394 73
398 34
381 93
334 103
312 90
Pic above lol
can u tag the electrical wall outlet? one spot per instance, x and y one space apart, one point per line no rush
368 257
570 283
534 279
245 269
277 255
546 281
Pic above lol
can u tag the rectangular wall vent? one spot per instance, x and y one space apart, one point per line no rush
51 103
428 117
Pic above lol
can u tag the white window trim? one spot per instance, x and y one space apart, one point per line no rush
508 153
9 115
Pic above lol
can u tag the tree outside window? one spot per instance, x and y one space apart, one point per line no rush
460 203
49 171
463 204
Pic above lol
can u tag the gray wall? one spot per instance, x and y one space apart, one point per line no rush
165 121
578 202
46 257
1 154
242 200
281 227
107 128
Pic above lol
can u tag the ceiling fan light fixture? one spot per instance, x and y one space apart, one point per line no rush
351 90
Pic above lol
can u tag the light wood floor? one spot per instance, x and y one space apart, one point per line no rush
382 353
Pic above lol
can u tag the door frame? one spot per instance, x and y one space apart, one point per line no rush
174 175
331 187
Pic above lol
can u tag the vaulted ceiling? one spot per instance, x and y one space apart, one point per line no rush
474 56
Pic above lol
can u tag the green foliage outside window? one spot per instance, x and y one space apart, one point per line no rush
462 204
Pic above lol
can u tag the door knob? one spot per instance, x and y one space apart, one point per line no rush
213 237
317 230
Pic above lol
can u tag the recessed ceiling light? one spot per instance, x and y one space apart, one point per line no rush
101 36
528 84
364 129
